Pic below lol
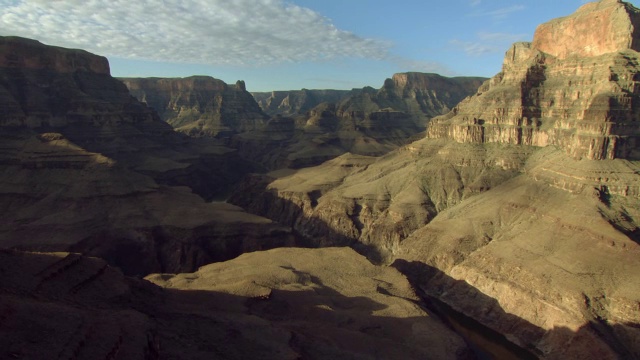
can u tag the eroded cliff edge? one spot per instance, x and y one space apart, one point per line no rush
86 167
575 87
519 208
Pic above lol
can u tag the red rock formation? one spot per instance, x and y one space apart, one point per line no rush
573 88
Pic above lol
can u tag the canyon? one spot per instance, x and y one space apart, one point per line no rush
303 128
435 217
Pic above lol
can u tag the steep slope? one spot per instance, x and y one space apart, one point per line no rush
199 105
302 303
520 207
85 167
296 102
365 122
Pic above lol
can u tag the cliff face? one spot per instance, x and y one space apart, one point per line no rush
502 212
295 102
364 121
86 167
574 87
199 105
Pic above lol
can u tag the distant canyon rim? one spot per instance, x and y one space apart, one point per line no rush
430 218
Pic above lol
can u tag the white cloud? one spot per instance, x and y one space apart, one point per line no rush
487 43
475 2
216 32
499 14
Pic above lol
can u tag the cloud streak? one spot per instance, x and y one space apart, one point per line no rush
214 32
487 43
498 14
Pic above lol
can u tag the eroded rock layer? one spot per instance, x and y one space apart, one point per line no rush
574 87
86 167
364 122
296 102
199 105
518 210
283 304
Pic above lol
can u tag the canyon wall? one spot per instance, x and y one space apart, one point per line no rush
295 102
519 209
575 87
199 105
86 167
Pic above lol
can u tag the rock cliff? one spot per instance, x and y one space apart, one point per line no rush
199 105
364 121
86 167
519 209
296 102
573 87
284 304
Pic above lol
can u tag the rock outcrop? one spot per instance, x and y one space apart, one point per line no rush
296 102
519 209
282 304
364 122
574 87
85 167
200 105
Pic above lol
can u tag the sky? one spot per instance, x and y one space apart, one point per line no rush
287 44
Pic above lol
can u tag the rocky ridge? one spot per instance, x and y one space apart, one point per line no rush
573 87
365 121
280 304
519 209
296 102
85 167
199 105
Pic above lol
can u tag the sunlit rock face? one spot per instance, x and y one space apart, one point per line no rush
200 105
573 87
518 209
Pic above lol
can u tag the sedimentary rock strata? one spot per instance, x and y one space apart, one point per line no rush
573 87
86 167
282 304
520 207
199 105
365 121
296 102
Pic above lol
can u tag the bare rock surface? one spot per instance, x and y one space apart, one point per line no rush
364 121
199 105
86 167
520 207
302 303
574 87
296 102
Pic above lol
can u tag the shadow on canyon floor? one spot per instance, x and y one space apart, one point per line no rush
487 337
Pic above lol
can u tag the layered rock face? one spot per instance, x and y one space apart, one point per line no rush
419 95
364 122
519 209
574 87
199 105
296 102
85 167
283 304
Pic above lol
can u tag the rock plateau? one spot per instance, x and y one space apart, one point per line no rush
519 209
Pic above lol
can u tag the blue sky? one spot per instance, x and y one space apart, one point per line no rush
287 44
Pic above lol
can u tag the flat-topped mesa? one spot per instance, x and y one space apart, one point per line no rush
17 52
45 86
575 87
